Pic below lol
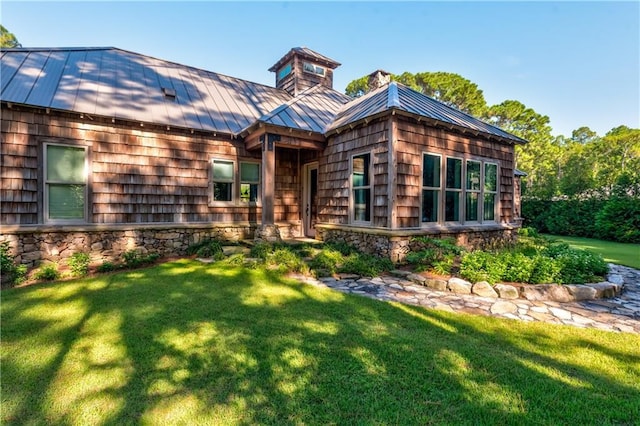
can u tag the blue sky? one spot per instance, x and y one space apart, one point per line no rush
577 62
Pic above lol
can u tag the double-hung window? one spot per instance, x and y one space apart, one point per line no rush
361 187
65 191
472 191
490 191
430 188
249 182
453 191
223 177
231 185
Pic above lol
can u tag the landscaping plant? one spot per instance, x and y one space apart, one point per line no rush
11 272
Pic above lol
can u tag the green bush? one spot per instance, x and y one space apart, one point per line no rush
79 264
261 250
134 259
365 265
48 272
10 272
209 248
326 262
286 260
619 220
614 219
437 254
482 266
106 267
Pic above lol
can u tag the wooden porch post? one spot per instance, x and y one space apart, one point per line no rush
268 178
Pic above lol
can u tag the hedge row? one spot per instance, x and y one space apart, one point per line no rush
614 219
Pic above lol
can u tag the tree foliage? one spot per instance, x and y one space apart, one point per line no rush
7 39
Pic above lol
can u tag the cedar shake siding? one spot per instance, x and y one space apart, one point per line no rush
414 139
136 175
334 173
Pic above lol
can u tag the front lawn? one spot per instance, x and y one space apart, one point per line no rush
620 253
191 343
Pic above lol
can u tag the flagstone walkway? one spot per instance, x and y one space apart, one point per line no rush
621 313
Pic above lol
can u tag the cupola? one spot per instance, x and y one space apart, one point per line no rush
302 68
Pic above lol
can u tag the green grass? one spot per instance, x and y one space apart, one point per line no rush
189 343
620 253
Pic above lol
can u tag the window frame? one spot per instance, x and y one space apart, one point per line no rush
46 182
236 182
259 183
468 190
424 188
459 191
314 67
353 188
462 191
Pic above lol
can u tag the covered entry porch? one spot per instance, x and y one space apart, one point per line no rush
289 183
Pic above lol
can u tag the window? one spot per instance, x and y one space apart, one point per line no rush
231 185
469 187
284 71
453 192
222 180
430 187
472 188
361 187
490 191
313 69
249 182
65 183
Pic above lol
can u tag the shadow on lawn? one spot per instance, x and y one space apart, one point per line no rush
207 344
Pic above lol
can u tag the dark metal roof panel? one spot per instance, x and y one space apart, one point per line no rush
120 84
313 110
399 97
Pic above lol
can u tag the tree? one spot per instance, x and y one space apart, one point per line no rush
7 39
448 88
583 135
539 157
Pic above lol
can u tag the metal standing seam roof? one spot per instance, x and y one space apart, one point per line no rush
312 110
120 84
111 82
400 97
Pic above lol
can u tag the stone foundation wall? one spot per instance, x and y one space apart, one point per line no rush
396 244
33 246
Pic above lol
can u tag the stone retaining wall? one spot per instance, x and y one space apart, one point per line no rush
395 245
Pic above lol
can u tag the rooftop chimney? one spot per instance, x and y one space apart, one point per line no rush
377 79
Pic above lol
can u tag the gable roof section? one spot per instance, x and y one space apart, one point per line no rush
312 110
396 96
120 84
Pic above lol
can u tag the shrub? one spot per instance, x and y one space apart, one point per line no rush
365 265
48 272
326 262
482 266
437 254
134 259
261 250
342 247
209 248
619 220
79 264
106 267
10 272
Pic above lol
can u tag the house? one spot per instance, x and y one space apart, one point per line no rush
106 150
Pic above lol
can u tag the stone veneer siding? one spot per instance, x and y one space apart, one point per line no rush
395 244
33 245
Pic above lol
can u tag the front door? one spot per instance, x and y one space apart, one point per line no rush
310 199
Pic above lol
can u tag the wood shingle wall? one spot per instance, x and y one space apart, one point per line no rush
334 173
414 139
137 174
